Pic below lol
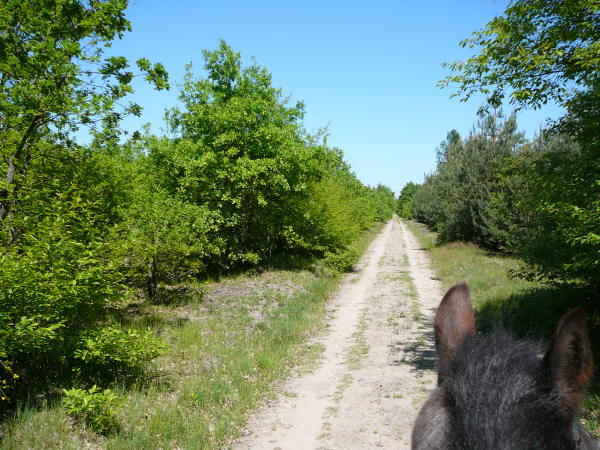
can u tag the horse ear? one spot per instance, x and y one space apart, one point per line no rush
454 321
570 359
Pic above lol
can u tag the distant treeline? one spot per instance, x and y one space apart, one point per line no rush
539 199
236 182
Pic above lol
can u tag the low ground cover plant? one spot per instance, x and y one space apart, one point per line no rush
94 407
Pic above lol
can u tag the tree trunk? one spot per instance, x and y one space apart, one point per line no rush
151 282
8 195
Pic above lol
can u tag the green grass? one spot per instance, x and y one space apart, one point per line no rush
228 341
529 309
47 428
220 363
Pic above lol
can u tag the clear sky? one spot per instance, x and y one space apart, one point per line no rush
368 69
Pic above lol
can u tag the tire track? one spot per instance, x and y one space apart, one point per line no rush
377 363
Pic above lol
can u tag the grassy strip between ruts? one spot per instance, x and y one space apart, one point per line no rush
529 309
227 342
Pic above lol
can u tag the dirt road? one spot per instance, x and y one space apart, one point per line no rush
377 365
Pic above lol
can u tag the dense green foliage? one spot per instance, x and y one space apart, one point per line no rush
562 203
404 205
54 80
463 198
540 199
238 150
94 407
238 158
110 353
538 51
533 198
57 199
236 182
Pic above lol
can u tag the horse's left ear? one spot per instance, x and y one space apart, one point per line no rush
454 321
570 359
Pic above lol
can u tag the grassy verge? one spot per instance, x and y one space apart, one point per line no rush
529 309
226 345
227 342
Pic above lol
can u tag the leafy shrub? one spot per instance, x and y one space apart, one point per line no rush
28 335
562 242
339 208
93 407
385 202
7 378
111 351
343 260
56 282
162 238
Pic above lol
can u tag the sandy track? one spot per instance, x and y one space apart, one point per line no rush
377 365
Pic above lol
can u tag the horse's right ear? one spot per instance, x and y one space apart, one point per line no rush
570 359
454 321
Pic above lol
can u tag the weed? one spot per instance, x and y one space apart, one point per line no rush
93 407
344 384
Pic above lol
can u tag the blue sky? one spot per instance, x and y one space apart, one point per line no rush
368 69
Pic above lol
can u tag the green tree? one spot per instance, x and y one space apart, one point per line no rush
425 207
239 150
461 199
162 238
538 51
561 241
404 205
385 200
58 200
54 79
338 210
541 51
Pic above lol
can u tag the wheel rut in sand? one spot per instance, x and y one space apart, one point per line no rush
377 363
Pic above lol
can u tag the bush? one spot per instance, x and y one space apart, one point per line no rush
56 282
342 260
7 378
93 407
111 352
562 242
161 238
